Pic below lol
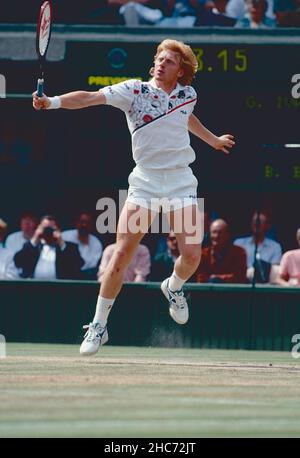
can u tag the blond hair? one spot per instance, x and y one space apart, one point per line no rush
188 61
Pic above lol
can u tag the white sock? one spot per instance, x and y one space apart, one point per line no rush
103 308
175 283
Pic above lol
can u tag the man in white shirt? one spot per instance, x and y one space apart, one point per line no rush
159 117
90 247
268 250
16 240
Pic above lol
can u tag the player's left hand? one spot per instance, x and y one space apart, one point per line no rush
224 142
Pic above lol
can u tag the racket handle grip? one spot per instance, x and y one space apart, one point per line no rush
40 87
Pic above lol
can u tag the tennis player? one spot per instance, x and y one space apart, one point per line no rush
159 117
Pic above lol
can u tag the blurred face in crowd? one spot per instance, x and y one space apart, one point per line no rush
172 244
264 224
256 9
28 226
3 230
219 234
85 224
167 67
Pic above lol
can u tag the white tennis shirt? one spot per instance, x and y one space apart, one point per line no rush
157 121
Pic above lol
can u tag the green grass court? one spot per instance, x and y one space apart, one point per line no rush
49 391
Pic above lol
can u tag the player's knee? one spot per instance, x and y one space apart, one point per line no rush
192 257
121 259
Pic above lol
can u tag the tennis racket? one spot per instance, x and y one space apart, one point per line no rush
43 34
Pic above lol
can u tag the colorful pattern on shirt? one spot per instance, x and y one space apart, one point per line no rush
150 103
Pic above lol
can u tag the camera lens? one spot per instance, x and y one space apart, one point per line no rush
48 231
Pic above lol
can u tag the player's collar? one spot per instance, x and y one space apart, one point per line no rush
178 87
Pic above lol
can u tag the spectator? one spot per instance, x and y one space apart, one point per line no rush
4 252
47 256
163 263
180 13
137 271
255 17
171 13
90 247
16 240
269 252
216 16
237 9
289 269
141 12
287 13
222 262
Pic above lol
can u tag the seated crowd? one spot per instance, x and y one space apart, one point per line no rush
164 13
42 251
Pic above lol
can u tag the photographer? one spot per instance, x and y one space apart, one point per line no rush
47 256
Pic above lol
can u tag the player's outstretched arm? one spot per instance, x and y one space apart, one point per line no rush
219 143
71 101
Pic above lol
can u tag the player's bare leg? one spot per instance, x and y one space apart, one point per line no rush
129 234
187 226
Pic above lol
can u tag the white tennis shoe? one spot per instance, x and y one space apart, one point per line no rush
95 337
178 307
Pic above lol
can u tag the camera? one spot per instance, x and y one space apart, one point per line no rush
48 232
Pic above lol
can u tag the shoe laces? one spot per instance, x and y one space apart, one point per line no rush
180 299
93 331
181 302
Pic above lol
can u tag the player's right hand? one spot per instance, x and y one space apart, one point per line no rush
40 103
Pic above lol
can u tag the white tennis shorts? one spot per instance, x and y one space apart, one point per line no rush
167 189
